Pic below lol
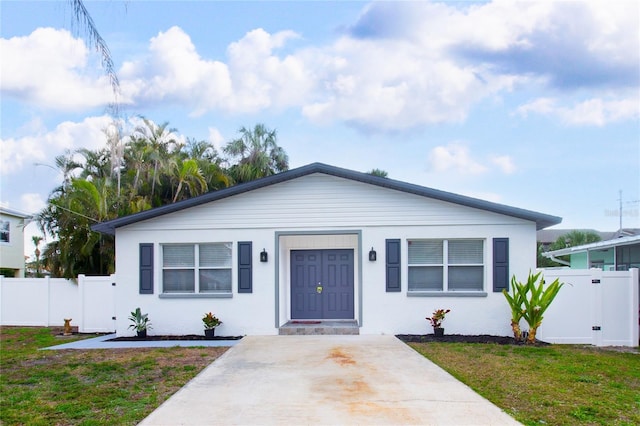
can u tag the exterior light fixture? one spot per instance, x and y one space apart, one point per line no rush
264 256
372 255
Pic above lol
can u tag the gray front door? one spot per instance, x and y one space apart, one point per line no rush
322 284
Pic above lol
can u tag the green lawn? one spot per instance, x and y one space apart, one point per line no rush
88 387
552 385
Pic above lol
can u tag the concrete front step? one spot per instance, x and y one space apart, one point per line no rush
305 327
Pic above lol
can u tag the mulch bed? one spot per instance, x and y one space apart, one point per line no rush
459 338
185 337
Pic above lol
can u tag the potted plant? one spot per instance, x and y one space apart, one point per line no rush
436 321
140 322
210 323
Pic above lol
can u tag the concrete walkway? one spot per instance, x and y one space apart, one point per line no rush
102 342
325 380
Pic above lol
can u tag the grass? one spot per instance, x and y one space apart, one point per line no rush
553 385
88 387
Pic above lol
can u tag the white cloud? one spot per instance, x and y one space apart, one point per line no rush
591 112
454 157
50 68
32 202
457 158
504 163
43 147
216 138
400 66
254 78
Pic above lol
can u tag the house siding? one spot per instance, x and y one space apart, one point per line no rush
12 252
320 211
331 201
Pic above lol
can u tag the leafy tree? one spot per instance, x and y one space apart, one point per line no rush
188 175
160 141
256 154
570 239
68 216
36 241
130 174
378 172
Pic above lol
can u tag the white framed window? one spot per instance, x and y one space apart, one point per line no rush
5 231
445 265
196 268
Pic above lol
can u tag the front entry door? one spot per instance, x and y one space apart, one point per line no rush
322 284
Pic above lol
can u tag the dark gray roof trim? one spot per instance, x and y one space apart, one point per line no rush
541 220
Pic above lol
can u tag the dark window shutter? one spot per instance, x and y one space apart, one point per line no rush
245 276
393 265
500 264
146 268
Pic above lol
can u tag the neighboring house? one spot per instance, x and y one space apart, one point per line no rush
619 254
12 242
317 243
547 237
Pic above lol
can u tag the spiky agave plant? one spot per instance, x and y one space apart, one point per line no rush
516 302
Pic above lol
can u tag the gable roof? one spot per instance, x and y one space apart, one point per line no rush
541 220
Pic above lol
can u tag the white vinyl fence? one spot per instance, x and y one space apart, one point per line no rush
594 307
90 302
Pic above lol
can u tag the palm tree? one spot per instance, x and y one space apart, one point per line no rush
96 163
209 163
161 141
69 216
187 173
36 241
378 172
83 18
257 154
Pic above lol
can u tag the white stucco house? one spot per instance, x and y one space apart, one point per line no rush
323 243
12 224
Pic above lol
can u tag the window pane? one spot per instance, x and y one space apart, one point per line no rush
178 281
215 255
465 252
214 280
425 252
178 255
466 278
425 278
4 231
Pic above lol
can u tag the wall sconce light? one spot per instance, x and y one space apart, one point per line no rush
372 255
264 256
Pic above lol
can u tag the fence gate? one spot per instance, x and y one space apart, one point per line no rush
98 304
593 307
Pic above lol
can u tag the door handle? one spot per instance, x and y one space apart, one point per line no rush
319 288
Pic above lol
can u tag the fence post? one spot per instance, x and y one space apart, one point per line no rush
635 305
596 306
48 282
81 310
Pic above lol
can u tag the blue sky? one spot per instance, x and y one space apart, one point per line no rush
533 104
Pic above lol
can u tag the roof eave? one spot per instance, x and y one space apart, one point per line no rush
542 220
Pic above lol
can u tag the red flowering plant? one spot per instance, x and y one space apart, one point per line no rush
210 321
437 317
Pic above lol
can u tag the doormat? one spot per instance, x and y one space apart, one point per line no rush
306 322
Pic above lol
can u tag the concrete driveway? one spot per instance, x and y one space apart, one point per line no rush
325 380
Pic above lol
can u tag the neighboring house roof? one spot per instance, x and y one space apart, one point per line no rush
14 213
623 241
541 220
550 236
